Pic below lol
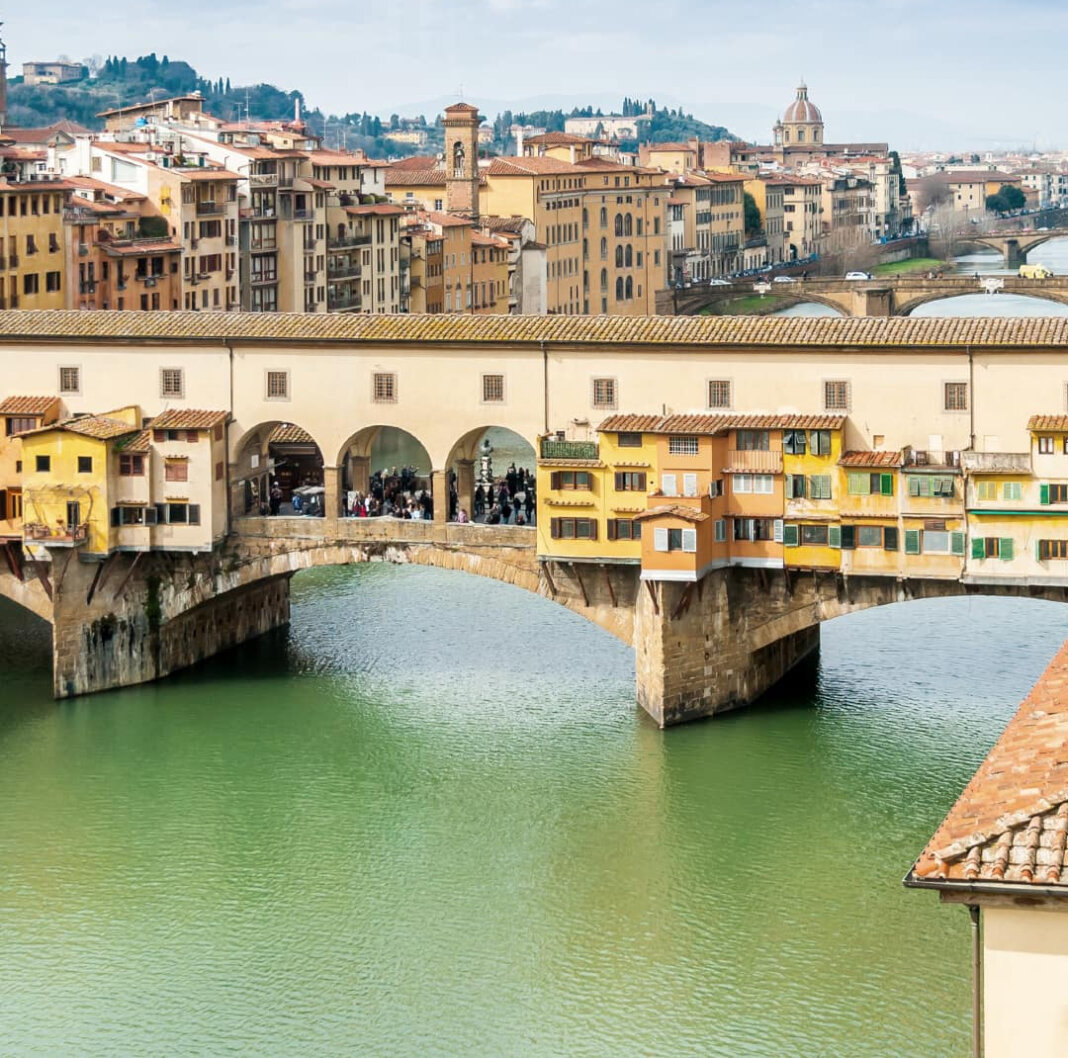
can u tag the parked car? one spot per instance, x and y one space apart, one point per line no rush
713 282
859 275
784 279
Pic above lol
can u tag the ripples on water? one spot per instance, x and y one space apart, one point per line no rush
430 820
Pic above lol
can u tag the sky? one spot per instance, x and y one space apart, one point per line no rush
921 74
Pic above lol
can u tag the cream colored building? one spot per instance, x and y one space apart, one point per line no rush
768 194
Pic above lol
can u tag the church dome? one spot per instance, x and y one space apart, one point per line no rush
802 110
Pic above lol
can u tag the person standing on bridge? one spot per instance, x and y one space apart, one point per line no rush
276 499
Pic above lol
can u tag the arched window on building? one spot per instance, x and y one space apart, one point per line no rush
619 224
628 225
604 279
604 217
604 248
619 289
628 258
800 135
458 160
585 218
619 257
630 288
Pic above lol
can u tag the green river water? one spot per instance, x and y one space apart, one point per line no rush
429 819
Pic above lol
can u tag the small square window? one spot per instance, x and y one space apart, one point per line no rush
384 388
176 470
278 385
719 393
836 395
492 389
85 464
70 379
955 395
171 382
604 392
43 464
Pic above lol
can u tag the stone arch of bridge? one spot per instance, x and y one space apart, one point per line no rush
906 305
27 591
380 447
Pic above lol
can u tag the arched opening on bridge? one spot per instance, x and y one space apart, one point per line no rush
385 470
489 467
1053 253
279 470
809 308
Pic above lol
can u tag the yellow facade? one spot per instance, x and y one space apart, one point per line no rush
813 496
17 415
33 261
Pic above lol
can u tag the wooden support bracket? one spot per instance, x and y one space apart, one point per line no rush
109 564
608 581
129 573
684 602
548 578
582 586
13 552
652 595
43 578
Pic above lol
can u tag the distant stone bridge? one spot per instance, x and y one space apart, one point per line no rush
889 296
1013 246
699 648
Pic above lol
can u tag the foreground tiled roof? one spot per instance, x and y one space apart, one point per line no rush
674 510
137 444
99 427
871 459
1010 823
188 419
629 424
710 424
27 405
1048 422
287 433
902 333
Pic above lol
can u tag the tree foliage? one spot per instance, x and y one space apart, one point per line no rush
752 215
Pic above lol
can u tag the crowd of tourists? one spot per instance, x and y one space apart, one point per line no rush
510 500
393 494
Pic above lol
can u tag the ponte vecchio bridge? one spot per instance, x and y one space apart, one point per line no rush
699 649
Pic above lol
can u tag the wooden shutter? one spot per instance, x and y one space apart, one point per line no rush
890 538
834 536
689 540
116 515
554 479
641 481
689 484
150 515
912 541
956 543
849 537
161 513
886 482
789 486
776 531
978 547
611 524
194 514
1043 493
790 535
859 484
554 528
1005 548
660 539
593 528
621 481
669 484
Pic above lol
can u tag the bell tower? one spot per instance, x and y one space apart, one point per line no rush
461 159
3 82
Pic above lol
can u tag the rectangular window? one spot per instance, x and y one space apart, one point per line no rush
492 389
133 515
721 530
277 385
719 393
630 481
935 542
19 423
795 486
836 395
815 535
176 470
761 484
1045 446
988 490
753 440
794 442
1010 490
820 442
569 479
1057 493
1052 549
171 382
70 379
384 388
955 396
869 536
629 440
624 529
604 392
682 446
573 529
131 466
85 464
43 464
819 487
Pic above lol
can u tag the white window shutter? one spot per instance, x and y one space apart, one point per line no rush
660 539
669 486
689 540
689 484
776 531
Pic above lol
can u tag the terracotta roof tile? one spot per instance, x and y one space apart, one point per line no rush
1010 823
99 427
903 333
137 444
287 433
1048 422
674 510
629 423
28 405
188 419
871 459
713 423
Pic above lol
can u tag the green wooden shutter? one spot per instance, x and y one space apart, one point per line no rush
1038 550
914 486
890 538
1005 548
849 537
978 547
956 543
790 535
789 486
887 483
1043 493
912 541
554 479
834 536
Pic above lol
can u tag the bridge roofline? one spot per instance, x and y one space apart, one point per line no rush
294 329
